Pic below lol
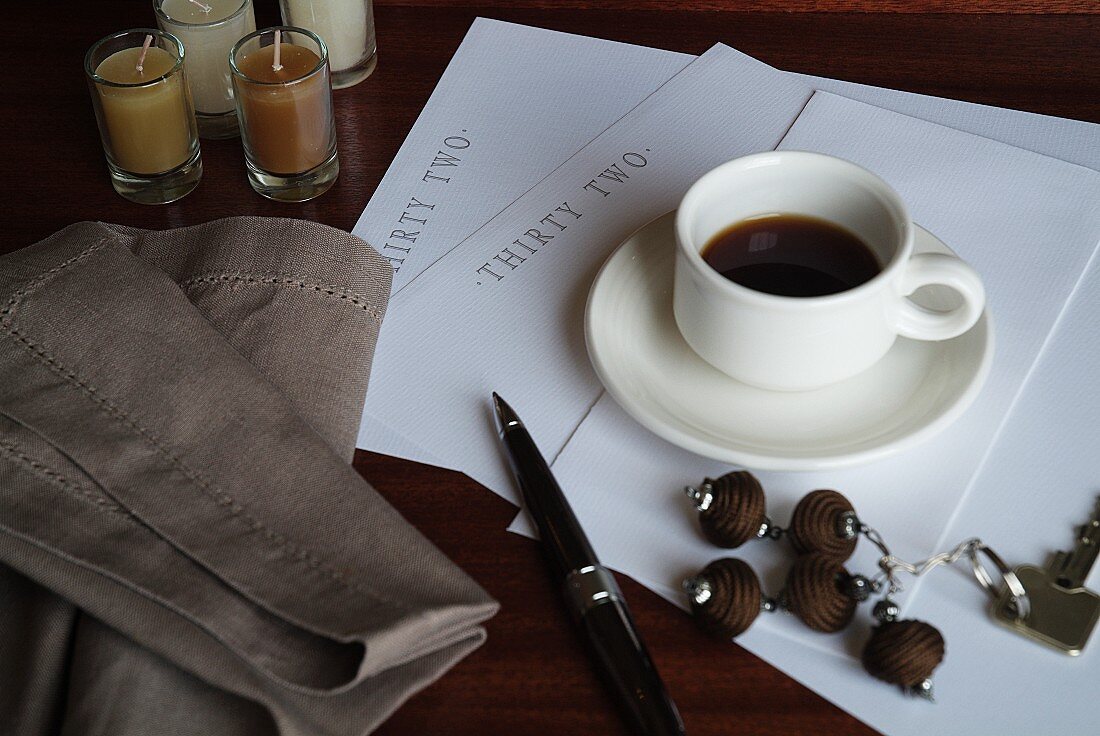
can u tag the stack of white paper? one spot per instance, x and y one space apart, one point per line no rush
495 304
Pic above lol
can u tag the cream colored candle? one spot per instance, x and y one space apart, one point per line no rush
147 129
208 30
346 27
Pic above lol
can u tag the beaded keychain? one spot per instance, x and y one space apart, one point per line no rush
726 596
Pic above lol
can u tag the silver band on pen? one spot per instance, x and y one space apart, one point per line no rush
591 586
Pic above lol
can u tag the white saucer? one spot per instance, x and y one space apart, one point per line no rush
916 391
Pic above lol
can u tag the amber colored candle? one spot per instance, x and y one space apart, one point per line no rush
287 111
149 126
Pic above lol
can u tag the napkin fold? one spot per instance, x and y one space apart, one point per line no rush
185 548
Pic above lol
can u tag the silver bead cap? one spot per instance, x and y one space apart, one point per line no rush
847 525
702 496
923 690
698 589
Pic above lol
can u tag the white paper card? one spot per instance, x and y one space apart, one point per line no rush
513 104
1070 140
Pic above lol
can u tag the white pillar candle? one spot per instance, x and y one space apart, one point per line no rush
346 27
208 30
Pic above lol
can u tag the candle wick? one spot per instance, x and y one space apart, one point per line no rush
202 6
144 50
276 66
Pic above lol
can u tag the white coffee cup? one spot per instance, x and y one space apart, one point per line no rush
799 343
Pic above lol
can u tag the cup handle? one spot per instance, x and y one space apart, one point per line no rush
925 269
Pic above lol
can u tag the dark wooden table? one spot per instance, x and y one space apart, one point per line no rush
532 677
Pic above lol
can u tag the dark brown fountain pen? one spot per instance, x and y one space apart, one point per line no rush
590 589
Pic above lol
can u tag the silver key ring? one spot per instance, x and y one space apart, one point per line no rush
1018 595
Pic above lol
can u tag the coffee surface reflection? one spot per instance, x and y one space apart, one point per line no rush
791 255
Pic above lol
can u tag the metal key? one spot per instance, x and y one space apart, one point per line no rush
1062 611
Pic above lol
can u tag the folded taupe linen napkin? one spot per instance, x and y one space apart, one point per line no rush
184 548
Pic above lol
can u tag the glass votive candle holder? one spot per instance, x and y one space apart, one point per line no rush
346 27
284 105
146 119
208 29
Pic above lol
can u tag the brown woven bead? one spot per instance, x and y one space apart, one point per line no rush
736 512
903 652
735 598
814 525
814 593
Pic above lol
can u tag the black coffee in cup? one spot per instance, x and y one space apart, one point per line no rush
791 255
